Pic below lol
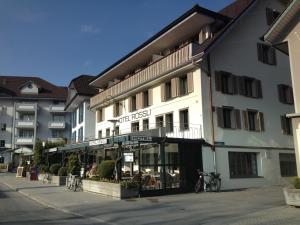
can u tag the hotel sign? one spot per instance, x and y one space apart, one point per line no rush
98 142
135 116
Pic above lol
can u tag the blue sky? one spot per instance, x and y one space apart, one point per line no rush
61 39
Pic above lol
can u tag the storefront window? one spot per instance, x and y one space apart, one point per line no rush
172 165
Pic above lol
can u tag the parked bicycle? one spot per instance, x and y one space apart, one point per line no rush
74 183
210 181
47 179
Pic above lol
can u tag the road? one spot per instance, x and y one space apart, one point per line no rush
17 209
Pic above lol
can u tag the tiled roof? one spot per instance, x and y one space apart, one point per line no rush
81 84
235 8
12 85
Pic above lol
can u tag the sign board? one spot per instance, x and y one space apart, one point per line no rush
19 171
98 142
128 156
52 149
135 116
141 138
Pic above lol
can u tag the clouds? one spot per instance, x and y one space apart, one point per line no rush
88 28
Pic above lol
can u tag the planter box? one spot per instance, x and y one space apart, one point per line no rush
109 189
292 196
58 180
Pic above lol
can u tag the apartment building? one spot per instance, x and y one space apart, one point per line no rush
213 90
284 35
30 109
78 102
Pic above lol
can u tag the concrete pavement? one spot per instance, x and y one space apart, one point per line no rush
253 206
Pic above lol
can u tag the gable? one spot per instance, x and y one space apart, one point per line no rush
29 88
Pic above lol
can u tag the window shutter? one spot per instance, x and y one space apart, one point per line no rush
115 109
103 114
139 101
245 120
174 87
257 121
269 16
237 119
258 89
272 55
129 105
120 107
218 80
261 121
283 124
150 96
260 54
289 94
190 82
281 93
232 84
242 85
98 116
163 92
220 118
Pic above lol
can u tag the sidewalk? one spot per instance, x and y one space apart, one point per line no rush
253 206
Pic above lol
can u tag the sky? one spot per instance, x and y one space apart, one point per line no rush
58 40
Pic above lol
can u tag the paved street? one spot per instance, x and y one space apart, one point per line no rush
264 206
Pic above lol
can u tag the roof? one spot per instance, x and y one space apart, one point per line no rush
284 24
12 85
82 87
228 14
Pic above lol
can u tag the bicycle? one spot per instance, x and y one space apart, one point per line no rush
74 183
213 184
47 178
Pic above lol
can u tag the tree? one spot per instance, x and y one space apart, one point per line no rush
38 153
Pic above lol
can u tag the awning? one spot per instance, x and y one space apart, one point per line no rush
24 150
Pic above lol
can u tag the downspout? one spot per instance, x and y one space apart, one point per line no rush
211 112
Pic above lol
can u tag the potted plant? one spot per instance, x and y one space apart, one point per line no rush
42 170
292 195
59 174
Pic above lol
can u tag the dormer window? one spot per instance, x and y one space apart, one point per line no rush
29 86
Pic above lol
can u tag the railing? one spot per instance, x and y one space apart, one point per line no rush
54 140
25 123
153 71
26 107
56 108
24 140
57 124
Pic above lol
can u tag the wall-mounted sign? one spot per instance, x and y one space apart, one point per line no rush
135 116
98 142
141 138
128 157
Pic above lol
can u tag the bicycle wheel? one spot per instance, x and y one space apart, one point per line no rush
215 185
198 186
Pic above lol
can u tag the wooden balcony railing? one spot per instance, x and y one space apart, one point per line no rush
153 71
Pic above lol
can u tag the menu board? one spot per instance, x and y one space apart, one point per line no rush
19 171
128 157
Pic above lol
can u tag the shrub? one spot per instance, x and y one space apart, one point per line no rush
54 168
296 183
43 168
73 164
62 171
106 169
129 184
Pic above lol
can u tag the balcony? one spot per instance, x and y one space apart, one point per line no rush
55 140
57 108
57 125
25 123
24 140
26 107
155 70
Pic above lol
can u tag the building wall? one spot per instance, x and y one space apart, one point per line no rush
6 116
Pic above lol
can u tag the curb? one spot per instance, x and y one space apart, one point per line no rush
46 204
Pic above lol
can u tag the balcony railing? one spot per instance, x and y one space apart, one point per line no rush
57 108
26 107
24 140
25 123
151 72
55 140
57 125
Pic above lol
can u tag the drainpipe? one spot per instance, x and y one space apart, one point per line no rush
211 112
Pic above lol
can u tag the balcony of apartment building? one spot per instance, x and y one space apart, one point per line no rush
157 68
55 139
57 108
57 125
26 107
25 123
25 120
26 140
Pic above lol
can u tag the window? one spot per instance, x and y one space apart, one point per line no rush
27 117
117 130
57 133
73 137
3 126
183 85
100 115
107 132
135 127
60 118
286 125
285 94
159 121
226 82
253 120
184 119
2 143
145 124
132 103
271 15
99 133
145 99
242 164
228 117
169 122
250 87
266 54
168 92
1 159
26 133
287 165
80 120
74 115
117 109
80 134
